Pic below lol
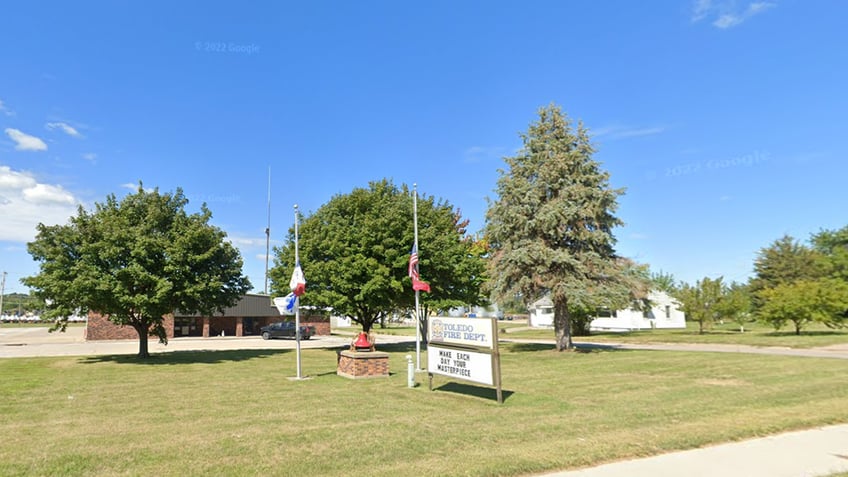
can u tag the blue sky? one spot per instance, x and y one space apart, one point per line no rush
724 120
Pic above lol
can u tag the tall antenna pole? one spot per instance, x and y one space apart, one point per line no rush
417 311
297 298
268 232
2 292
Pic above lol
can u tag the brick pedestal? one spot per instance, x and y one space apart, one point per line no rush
363 364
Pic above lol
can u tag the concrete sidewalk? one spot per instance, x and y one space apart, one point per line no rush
811 453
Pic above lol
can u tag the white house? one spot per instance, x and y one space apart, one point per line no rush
664 312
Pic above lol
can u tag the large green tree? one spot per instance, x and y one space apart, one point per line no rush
355 250
784 261
135 261
805 301
833 245
550 227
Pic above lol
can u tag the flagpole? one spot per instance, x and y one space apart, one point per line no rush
268 232
417 292
297 298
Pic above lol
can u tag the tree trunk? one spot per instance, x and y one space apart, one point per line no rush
142 341
562 325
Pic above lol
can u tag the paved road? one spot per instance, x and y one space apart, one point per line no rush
29 342
815 452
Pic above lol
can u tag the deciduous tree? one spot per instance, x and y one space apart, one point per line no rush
833 245
355 253
135 261
805 301
735 304
700 302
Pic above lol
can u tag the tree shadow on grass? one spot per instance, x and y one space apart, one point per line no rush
791 333
405 347
186 357
476 391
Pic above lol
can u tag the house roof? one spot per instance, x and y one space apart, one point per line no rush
544 301
655 296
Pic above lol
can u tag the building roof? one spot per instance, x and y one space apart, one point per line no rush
248 305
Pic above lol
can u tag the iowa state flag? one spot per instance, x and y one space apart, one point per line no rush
417 284
298 282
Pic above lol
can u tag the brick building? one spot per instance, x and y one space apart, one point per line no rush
245 318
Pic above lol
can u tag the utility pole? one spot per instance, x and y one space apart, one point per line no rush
2 292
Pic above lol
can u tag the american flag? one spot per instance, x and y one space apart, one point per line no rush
417 284
413 263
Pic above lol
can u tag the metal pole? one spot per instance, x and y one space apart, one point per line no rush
2 292
268 232
297 298
417 311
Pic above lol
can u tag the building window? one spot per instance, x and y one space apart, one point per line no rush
668 312
607 313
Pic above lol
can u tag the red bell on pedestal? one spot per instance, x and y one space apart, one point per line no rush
362 343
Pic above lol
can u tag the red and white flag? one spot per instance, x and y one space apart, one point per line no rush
417 284
298 282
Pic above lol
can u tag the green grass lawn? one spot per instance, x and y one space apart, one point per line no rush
756 334
236 413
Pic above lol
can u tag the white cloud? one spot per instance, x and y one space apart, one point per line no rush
26 202
727 13
89 156
133 186
248 242
5 110
44 194
700 10
25 142
618 131
64 127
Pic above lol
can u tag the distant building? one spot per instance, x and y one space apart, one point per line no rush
245 318
664 312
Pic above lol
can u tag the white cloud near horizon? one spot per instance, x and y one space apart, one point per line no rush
25 202
24 141
64 127
727 13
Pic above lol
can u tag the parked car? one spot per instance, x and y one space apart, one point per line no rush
285 329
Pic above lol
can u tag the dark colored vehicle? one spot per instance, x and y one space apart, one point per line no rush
285 329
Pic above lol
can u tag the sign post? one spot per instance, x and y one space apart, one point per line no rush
465 348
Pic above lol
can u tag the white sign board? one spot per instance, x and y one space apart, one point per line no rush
476 332
456 363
